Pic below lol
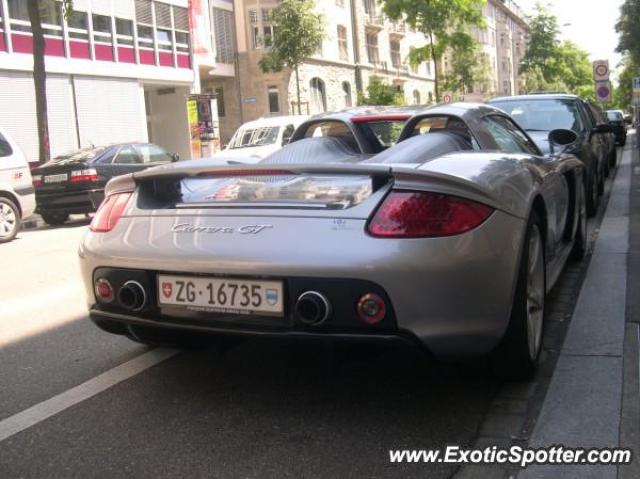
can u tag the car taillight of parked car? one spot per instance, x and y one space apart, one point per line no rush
36 180
408 214
110 211
81 176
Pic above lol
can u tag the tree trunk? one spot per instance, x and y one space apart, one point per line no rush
435 69
39 80
298 91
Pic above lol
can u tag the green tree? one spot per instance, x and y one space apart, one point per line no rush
539 57
468 68
298 32
623 94
443 23
380 93
628 27
34 8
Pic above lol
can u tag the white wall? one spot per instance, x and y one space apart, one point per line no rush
168 119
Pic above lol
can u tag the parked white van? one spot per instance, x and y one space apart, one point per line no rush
17 197
257 139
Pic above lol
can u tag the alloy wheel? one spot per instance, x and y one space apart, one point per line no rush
535 293
8 220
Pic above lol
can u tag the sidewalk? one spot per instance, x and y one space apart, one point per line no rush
592 400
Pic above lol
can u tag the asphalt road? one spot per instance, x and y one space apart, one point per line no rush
260 409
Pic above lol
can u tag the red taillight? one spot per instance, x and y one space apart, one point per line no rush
37 180
109 212
405 214
103 290
81 176
371 308
248 172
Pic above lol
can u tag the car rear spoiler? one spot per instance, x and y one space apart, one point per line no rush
381 175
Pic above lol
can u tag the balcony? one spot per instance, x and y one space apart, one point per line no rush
398 29
374 21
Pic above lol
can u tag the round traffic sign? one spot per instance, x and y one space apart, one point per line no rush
603 92
602 70
446 98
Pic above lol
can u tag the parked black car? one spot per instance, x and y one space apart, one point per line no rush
617 122
74 183
541 113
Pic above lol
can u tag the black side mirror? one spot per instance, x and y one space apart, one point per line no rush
602 128
560 140
175 157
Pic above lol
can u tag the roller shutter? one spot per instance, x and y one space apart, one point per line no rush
17 102
110 110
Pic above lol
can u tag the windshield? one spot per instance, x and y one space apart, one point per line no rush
543 115
251 137
386 132
614 116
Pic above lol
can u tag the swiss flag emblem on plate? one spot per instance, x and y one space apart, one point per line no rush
167 289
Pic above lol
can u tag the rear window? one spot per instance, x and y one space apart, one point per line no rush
75 156
248 138
5 147
543 114
278 191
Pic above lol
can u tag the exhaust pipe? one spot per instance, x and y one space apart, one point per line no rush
132 296
312 308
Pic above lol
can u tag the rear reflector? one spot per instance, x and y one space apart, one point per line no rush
405 214
109 212
103 290
371 308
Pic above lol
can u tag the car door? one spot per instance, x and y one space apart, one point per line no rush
598 141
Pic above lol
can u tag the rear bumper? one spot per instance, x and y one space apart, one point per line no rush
453 294
71 202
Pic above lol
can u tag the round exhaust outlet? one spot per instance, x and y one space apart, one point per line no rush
312 308
132 296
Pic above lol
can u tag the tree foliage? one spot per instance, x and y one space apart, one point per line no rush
468 68
298 32
623 94
380 93
443 22
628 28
551 65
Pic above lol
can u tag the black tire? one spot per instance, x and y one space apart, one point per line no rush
54 219
580 241
614 158
10 220
601 179
624 141
515 359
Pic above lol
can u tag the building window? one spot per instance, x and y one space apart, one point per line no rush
261 29
372 48
396 59
506 87
318 96
163 38
78 25
101 28
416 97
342 43
346 90
124 31
50 13
369 7
430 97
220 101
223 28
274 100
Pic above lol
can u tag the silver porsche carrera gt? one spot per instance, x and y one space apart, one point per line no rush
449 239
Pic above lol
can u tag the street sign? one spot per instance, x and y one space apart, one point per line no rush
601 70
447 97
603 91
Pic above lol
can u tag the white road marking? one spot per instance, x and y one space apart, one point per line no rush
44 410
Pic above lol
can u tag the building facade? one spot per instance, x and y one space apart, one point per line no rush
117 71
360 44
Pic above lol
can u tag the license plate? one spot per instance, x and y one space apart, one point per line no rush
55 178
225 295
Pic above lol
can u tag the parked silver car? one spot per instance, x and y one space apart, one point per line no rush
450 239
